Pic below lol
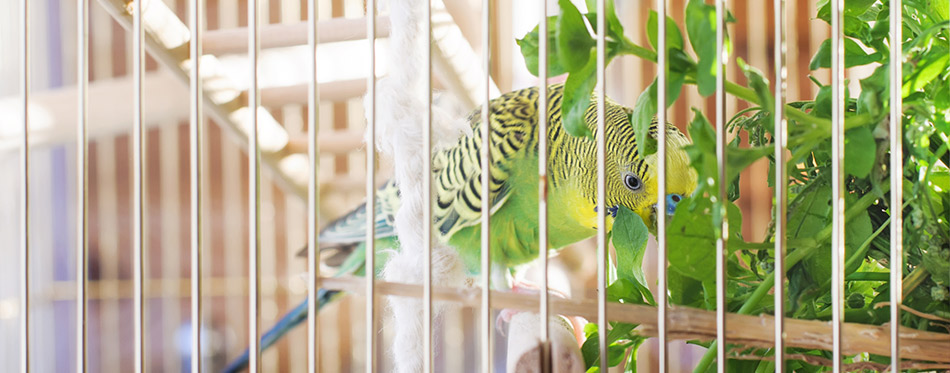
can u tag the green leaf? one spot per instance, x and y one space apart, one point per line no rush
630 236
577 94
928 69
759 84
851 8
614 27
674 39
701 28
529 50
590 350
860 152
823 102
810 214
941 9
854 55
685 291
857 29
626 291
692 238
702 155
574 42
643 113
872 98
937 264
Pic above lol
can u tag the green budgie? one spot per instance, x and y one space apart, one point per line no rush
631 181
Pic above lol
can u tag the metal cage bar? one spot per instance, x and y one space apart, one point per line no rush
138 186
254 181
722 239
427 186
371 190
485 159
837 179
543 185
82 139
896 169
661 301
25 189
196 138
780 141
313 194
601 182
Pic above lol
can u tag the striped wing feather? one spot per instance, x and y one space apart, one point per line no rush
457 171
456 175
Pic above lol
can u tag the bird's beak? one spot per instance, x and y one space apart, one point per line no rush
649 214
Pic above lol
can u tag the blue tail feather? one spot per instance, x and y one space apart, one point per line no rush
293 318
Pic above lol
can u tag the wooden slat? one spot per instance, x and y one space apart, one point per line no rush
234 40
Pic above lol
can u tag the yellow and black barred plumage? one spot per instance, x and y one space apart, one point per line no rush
572 171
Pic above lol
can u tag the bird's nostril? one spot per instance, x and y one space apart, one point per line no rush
676 198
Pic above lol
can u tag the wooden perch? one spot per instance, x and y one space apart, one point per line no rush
690 323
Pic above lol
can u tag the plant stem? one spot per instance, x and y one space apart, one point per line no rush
793 258
628 47
915 278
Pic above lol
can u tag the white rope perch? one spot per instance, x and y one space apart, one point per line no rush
400 108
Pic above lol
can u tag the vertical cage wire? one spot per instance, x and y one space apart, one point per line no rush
427 202
662 66
722 239
780 141
313 193
601 182
25 189
138 187
254 204
837 179
896 169
485 159
543 182
371 190
195 138
82 136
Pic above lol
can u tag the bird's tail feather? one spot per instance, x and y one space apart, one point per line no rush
285 324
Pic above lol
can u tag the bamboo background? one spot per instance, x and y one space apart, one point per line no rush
283 215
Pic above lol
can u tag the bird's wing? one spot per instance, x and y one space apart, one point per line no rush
457 170
351 228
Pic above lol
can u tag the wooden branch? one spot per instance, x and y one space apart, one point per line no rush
690 323
858 366
234 40
913 311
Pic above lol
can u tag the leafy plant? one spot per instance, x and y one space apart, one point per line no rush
692 231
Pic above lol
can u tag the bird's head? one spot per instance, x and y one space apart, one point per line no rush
632 179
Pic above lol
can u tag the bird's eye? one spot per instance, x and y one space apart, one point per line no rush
632 182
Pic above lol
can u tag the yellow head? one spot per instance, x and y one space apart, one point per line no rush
632 179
